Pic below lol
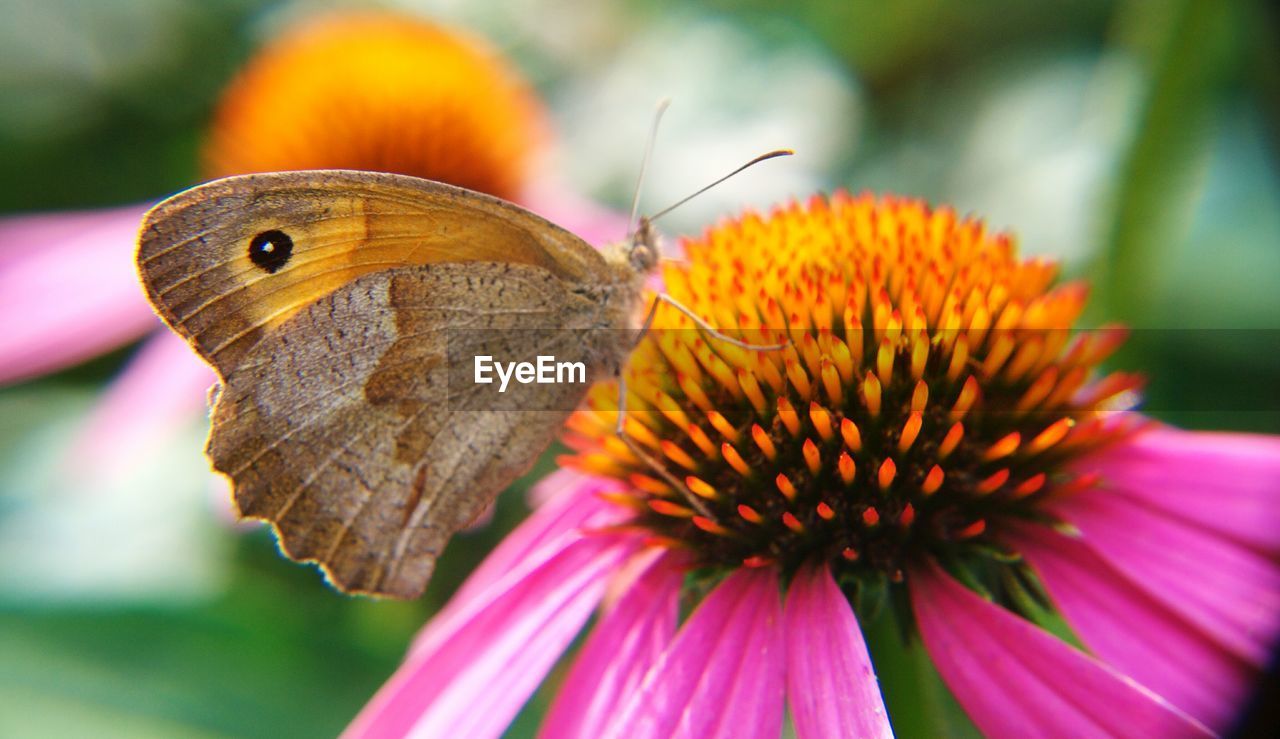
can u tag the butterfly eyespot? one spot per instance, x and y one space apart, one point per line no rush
270 250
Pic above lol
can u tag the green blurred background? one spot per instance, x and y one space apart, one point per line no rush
1135 140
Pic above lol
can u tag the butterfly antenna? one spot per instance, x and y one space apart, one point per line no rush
663 104
763 157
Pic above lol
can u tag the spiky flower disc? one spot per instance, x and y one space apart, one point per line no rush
932 390
380 91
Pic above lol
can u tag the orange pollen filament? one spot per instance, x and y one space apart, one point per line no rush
932 389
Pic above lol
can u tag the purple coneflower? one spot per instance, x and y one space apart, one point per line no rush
936 440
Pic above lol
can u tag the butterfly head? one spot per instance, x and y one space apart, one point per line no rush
643 251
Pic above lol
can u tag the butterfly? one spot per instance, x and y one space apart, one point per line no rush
327 301
340 309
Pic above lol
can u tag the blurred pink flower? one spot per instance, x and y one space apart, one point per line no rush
68 289
68 285
68 292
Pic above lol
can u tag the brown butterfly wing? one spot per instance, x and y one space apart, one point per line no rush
193 249
333 421
339 426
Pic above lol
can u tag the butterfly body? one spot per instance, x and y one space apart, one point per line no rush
340 310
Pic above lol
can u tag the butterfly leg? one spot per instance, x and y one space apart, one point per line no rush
653 464
665 298
620 429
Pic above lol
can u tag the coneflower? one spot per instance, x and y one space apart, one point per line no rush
935 439
380 91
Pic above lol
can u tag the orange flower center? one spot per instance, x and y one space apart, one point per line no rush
932 389
379 91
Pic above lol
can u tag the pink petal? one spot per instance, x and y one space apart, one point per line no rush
574 505
163 387
623 646
481 665
1228 590
19 232
1133 632
1015 679
563 481
831 685
591 222
1228 483
68 289
723 675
